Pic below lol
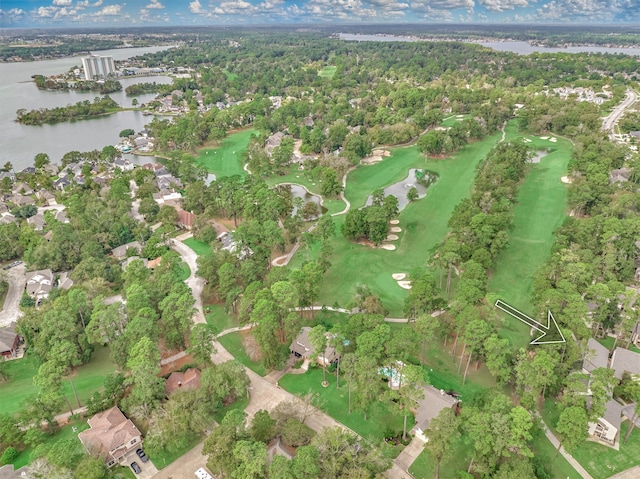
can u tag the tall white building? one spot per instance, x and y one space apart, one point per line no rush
97 67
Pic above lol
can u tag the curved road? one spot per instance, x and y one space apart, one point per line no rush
196 283
610 121
11 310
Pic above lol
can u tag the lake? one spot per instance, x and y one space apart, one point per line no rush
525 48
20 143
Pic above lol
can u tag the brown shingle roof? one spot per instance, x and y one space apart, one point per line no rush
190 379
108 431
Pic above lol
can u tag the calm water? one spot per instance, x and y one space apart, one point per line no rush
373 38
524 48
20 143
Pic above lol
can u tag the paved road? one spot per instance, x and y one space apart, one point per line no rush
11 310
576 465
610 121
196 283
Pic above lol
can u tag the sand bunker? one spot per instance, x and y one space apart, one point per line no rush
388 247
392 237
553 140
395 229
405 284
527 140
544 137
381 152
566 179
394 222
399 276
371 160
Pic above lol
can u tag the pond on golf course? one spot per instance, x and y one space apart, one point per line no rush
418 178
301 192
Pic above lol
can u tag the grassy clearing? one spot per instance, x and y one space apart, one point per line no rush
453 120
328 72
602 462
219 319
424 224
26 457
230 76
200 247
424 467
87 379
540 209
335 402
233 343
226 159
557 465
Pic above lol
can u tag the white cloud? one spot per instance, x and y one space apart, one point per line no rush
97 4
195 7
155 4
502 5
46 12
596 10
110 10
61 3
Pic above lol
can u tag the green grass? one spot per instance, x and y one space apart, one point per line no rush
295 176
239 405
335 402
163 458
230 76
608 343
88 378
227 159
200 247
540 209
424 224
26 457
219 319
328 72
185 271
233 343
424 467
4 289
453 120
557 465
602 462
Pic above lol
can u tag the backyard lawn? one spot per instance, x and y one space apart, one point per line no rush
87 379
423 223
226 160
65 433
540 209
335 402
218 318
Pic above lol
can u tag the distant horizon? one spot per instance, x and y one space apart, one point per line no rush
48 14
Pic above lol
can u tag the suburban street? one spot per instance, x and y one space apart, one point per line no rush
11 310
610 121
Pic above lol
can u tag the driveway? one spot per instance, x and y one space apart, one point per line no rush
11 310
149 470
185 466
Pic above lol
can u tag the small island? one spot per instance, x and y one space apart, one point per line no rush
81 110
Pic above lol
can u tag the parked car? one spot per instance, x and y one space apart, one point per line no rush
136 468
143 457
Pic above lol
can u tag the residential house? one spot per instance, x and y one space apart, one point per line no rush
9 341
61 184
186 219
21 200
112 437
597 356
7 218
607 427
3 208
301 347
121 251
131 259
273 141
433 401
46 196
619 175
64 281
22 188
7 174
39 283
625 361
61 216
29 170
154 263
51 169
37 221
122 164
190 379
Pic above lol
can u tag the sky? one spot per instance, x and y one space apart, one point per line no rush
87 13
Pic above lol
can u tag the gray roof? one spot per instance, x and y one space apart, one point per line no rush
121 251
613 413
7 472
625 361
597 356
434 401
40 282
